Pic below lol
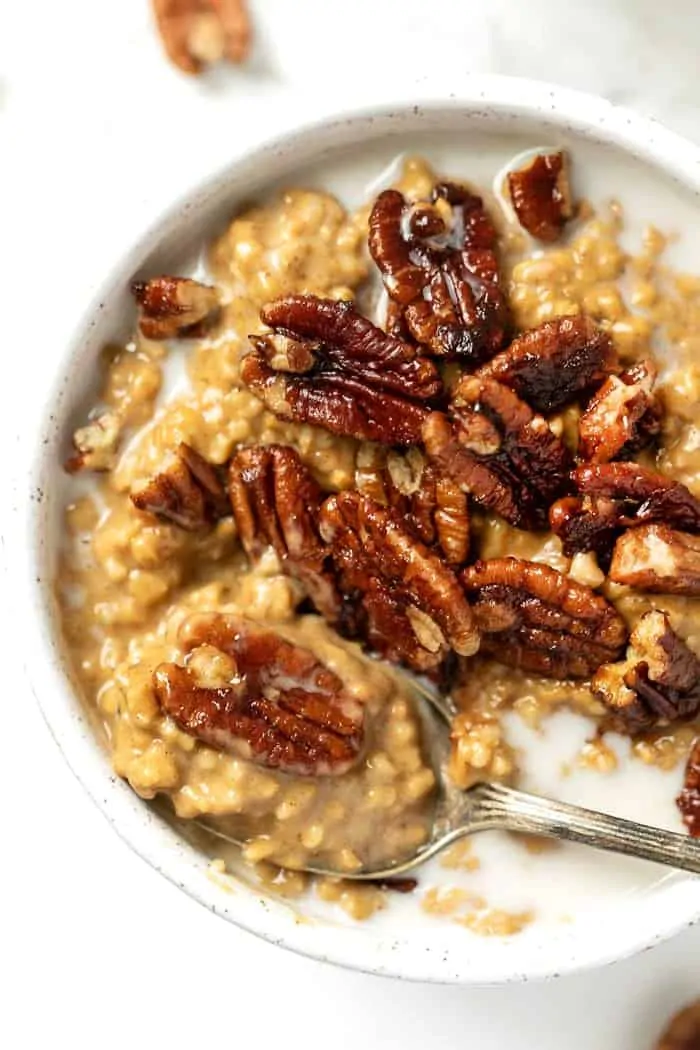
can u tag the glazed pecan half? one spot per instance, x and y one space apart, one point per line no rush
96 444
275 503
175 306
499 451
616 496
438 261
541 195
689 805
188 492
277 705
410 606
326 364
533 617
622 417
659 559
432 506
657 683
197 33
555 363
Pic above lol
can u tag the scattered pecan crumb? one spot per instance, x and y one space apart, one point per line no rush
408 603
683 1032
541 195
657 683
175 306
555 363
280 706
198 33
689 805
622 417
438 261
188 492
396 885
431 505
533 617
96 444
275 503
659 559
499 451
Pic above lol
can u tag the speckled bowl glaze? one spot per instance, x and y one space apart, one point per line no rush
394 946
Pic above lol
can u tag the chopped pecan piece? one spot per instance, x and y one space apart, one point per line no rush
174 306
197 33
622 417
586 524
555 363
438 260
431 505
188 492
541 195
342 340
96 444
658 682
659 559
689 805
275 502
280 706
410 604
683 1033
338 403
533 617
499 451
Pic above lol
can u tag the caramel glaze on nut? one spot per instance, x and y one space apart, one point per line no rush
499 451
541 196
555 363
689 805
281 707
442 271
409 604
188 492
533 617
622 417
657 683
175 306
657 559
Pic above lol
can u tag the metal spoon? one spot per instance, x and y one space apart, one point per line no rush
486 807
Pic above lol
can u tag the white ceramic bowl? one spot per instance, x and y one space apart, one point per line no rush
612 140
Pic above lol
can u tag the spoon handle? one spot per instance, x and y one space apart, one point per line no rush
496 806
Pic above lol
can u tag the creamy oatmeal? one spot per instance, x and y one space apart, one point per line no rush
403 562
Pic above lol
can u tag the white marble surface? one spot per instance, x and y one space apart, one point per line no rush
95 130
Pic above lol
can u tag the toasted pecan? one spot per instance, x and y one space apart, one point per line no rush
197 33
622 417
188 492
532 616
659 559
689 805
541 196
174 306
683 1032
96 444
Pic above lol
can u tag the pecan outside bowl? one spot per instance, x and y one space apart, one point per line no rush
401 941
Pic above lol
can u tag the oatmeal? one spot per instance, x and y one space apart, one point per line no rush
447 476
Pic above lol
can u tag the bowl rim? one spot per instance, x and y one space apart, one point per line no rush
490 97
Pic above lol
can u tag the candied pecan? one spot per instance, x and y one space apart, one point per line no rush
683 1032
499 451
443 274
187 492
643 495
622 416
174 306
555 363
96 444
659 559
411 606
541 196
342 340
431 505
275 501
281 706
658 682
532 616
338 403
585 524
197 33
689 805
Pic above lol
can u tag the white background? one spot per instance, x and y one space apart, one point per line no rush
97 131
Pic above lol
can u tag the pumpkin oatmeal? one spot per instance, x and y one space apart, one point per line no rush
443 475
